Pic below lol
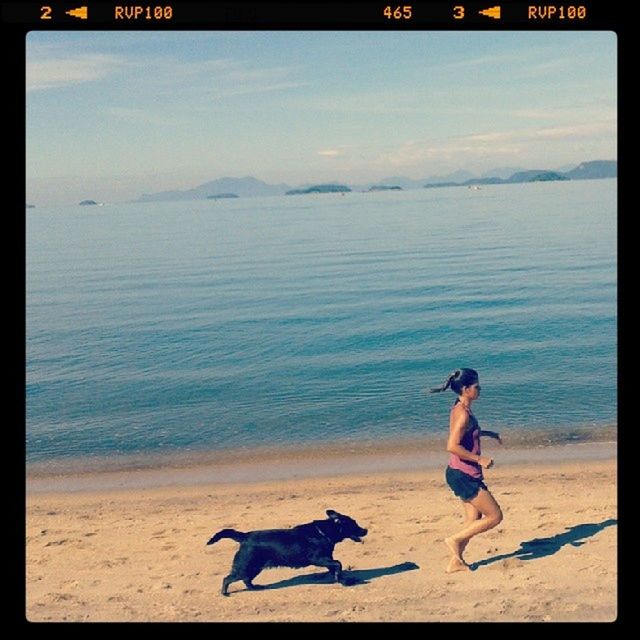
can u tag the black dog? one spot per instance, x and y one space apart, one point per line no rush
304 545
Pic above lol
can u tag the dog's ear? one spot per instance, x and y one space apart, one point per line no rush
334 515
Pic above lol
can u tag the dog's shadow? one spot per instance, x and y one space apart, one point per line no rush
349 578
541 547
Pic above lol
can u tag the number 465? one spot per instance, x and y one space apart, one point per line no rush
399 13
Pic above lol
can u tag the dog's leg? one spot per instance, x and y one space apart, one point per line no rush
251 586
226 582
334 566
250 571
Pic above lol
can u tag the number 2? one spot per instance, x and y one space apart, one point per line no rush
46 13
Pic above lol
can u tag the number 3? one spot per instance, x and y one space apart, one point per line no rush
458 13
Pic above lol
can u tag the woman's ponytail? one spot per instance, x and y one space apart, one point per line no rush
447 383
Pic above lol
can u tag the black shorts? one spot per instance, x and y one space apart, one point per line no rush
462 484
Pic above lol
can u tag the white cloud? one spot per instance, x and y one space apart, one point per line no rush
489 137
416 153
339 151
496 145
577 130
64 71
241 90
238 74
54 66
216 78
140 116
589 129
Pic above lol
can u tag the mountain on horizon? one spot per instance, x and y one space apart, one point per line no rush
457 176
594 169
563 169
504 173
247 187
251 187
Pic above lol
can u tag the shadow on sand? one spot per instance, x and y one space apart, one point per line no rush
349 578
542 547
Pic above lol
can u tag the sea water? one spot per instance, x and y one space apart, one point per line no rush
215 325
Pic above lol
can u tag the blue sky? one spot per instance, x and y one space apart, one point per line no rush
114 115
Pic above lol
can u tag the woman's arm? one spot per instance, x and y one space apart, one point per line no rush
492 434
457 428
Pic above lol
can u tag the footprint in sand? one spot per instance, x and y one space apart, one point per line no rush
56 542
71 584
64 597
108 564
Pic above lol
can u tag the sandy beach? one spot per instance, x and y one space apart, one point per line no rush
137 551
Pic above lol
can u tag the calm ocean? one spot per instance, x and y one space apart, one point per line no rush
212 325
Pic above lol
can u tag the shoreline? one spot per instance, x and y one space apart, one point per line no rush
282 464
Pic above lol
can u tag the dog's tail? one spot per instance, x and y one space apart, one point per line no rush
238 536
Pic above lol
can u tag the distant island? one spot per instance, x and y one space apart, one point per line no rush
222 196
87 202
31 206
320 188
249 187
586 171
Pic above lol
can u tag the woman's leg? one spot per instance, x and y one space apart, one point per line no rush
471 514
485 504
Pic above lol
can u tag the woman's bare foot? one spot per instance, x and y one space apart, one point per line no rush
456 564
455 547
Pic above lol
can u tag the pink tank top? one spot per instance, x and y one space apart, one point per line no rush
471 442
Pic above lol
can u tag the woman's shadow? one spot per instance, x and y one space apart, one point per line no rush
541 547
